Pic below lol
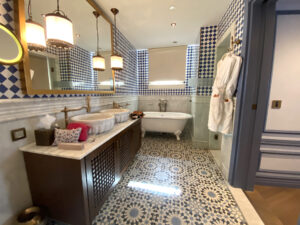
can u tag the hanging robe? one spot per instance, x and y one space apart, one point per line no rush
226 126
221 106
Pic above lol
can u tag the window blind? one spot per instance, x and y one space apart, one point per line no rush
167 65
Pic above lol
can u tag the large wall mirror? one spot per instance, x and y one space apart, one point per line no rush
57 70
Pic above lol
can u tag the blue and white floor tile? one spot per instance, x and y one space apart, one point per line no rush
172 183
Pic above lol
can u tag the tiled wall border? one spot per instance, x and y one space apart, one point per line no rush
26 108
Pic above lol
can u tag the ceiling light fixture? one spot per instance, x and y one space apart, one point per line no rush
172 7
35 33
59 29
116 60
173 25
98 60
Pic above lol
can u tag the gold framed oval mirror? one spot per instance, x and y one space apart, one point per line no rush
11 49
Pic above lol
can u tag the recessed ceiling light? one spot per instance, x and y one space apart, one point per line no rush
172 7
173 25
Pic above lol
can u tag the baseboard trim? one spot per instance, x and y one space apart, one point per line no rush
277 182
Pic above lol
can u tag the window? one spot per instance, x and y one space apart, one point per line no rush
167 67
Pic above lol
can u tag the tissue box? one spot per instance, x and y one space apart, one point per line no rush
44 137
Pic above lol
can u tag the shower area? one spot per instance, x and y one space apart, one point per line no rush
212 48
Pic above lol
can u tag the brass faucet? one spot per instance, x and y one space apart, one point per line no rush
87 107
118 106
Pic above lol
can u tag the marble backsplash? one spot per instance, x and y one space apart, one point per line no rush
174 104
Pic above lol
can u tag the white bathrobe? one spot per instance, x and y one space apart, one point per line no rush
221 105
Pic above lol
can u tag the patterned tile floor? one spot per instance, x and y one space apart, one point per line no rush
172 183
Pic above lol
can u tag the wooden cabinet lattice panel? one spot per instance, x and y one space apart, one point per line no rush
90 180
103 173
124 148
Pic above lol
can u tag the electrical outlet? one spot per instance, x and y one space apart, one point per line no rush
18 134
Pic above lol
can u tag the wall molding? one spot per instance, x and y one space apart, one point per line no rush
15 109
270 181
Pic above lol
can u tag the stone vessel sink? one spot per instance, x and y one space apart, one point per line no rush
121 115
99 122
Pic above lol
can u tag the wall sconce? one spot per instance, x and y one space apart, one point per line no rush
98 60
59 29
35 33
116 60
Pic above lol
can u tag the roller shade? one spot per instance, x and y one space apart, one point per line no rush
167 64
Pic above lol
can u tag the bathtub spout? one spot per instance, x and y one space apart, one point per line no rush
177 134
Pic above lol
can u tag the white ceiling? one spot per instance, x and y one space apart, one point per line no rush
147 23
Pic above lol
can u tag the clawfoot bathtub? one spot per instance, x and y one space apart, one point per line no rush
166 122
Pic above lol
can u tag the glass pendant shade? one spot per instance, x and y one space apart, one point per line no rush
35 36
59 30
116 62
98 63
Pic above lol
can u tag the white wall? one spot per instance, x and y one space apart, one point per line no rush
285 76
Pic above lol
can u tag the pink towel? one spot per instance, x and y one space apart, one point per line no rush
84 130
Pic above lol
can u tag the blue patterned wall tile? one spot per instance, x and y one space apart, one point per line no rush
126 79
234 13
208 39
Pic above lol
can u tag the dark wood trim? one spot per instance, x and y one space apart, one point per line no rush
56 184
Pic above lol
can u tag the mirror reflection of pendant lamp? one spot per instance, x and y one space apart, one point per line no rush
35 33
116 60
98 60
59 29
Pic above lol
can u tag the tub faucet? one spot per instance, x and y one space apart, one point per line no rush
163 105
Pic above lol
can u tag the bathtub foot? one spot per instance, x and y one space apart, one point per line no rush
177 134
143 133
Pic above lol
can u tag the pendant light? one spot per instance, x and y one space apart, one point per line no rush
35 33
98 60
59 29
116 60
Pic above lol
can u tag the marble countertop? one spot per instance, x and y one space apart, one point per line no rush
89 146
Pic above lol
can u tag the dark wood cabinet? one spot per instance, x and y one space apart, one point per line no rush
73 191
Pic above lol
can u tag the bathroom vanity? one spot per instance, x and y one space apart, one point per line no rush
73 185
